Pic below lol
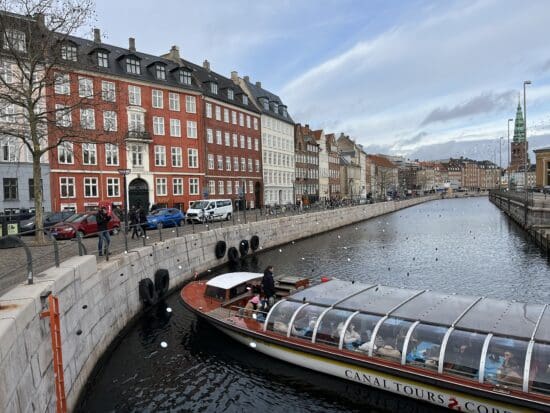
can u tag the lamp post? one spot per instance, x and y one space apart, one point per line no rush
125 172
509 161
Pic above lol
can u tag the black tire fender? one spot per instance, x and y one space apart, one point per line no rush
233 254
254 242
162 282
243 247
221 247
147 291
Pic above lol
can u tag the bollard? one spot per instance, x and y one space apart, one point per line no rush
55 252
107 252
159 227
125 240
193 223
177 230
81 248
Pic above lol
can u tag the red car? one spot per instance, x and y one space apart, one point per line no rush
82 224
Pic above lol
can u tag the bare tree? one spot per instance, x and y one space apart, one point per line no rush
36 52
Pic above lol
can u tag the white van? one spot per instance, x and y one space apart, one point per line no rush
209 210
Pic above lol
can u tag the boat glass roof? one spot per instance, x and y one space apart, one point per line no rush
543 332
328 293
378 300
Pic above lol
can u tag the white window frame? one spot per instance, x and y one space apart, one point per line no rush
226 115
65 149
160 155
161 186
110 122
174 101
111 154
227 139
221 187
190 104
192 129
134 95
158 125
108 91
62 84
91 150
85 87
208 110
177 186
210 161
176 155
218 111
209 136
175 128
69 183
228 163
192 158
113 187
157 99
233 117
91 186
219 137
194 188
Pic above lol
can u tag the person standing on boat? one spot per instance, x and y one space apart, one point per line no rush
268 285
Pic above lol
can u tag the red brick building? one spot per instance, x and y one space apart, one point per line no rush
307 165
139 112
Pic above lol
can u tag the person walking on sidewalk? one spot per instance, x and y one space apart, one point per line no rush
102 220
143 221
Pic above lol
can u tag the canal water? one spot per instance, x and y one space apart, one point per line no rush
465 246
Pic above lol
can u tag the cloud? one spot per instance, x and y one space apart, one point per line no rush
482 104
413 139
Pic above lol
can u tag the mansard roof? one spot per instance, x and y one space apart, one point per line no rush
258 93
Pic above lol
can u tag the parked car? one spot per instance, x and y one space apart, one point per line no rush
50 219
165 217
82 225
210 209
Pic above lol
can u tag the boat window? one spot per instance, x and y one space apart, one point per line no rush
331 326
425 345
237 290
281 315
390 338
504 362
463 353
215 292
359 332
539 378
305 321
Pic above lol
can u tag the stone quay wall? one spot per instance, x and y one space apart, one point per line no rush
97 300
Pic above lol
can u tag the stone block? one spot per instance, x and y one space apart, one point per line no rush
20 310
8 334
33 335
35 370
25 389
45 357
83 266
61 276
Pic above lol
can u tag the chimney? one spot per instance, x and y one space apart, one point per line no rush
97 36
259 85
131 44
235 76
174 54
40 20
306 126
247 79
206 65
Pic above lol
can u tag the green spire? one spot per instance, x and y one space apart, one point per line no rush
519 126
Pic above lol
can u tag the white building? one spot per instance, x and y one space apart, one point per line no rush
277 142
324 190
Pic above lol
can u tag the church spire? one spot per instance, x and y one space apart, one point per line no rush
519 125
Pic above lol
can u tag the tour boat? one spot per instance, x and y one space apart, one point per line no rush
472 354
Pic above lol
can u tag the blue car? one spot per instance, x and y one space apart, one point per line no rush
165 217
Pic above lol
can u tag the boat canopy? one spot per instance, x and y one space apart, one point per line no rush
232 279
481 339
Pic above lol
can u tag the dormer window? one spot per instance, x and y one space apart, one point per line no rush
245 99
102 59
265 104
214 88
185 77
230 94
133 66
68 52
15 39
275 107
160 72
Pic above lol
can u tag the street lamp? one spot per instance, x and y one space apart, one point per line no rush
125 172
509 161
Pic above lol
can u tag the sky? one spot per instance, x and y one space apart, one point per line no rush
394 75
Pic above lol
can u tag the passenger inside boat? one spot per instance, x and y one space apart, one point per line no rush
352 338
304 324
540 369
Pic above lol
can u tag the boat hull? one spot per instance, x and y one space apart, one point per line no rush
428 393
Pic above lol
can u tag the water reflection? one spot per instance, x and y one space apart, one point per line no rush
462 245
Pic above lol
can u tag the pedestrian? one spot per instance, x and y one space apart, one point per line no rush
134 222
143 221
268 285
102 220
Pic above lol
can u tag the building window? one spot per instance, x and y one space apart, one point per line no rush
214 88
174 101
160 72
212 187
66 186
158 125
31 188
241 119
209 136
228 163
62 84
63 116
134 95
175 128
90 187
133 66
190 104
227 139
137 155
245 99
15 39
10 189
108 93
194 186
89 154
111 154
248 124
193 158
185 77
236 164
209 110
87 118
243 165
220 162
255 123
135 122
230 94
191 129
257 162
218 113
176 157
235 141
250 187
85 87
234 117
68 52
162 189
177 184
218 137
242 142
160 155
65 153
110 123
157 99
210 161
249 142
229 187
250 169
113 187
6 72
226 115
221 187
102 59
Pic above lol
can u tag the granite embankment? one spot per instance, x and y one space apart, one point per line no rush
97 300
